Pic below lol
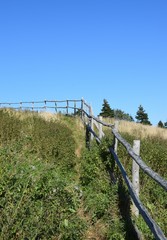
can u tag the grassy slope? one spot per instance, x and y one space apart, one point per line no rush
153 151
51 187
38 177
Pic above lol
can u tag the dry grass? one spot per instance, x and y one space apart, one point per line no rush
48 116
138 130
73 123
96 232
141 131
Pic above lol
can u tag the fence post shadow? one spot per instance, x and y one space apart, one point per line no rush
124 200
124 204
87 137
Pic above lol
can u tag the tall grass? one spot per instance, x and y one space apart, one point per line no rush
141 131
38 198
52 187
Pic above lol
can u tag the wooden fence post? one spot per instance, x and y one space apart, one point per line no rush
135 175
67 106
45 104
82 108
91 122
55 106
100 128
32 106
75 108
115 139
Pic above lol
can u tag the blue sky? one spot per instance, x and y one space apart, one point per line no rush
95 49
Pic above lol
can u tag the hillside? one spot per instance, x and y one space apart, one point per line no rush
53 187
38 176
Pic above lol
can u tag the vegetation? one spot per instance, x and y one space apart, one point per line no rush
107 211
153 151
151 194
142 116
38 199
141 131
165 124
52 187
119 114
162 125
106 110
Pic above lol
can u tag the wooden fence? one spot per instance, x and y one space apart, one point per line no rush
85 111
63 106
133 186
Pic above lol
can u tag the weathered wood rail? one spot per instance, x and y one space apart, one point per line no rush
137 163
62 106
85 111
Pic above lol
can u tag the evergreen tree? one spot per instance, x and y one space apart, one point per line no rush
142 116
160 124
106 110
119 114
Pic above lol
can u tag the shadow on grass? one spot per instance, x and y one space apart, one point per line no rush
124 200
124 205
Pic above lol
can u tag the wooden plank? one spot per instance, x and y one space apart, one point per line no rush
115 139
91 122
135 175
67 107
101 133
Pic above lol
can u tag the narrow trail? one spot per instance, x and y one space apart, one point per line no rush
96 230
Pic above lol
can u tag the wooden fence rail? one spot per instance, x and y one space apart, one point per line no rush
86 113
155 229
68 106
155 176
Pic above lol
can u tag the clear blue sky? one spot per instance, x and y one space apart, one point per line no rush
95 49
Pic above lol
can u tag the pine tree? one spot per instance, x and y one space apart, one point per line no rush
119 114
160 124
106 110
142 116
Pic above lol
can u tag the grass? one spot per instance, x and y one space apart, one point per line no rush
53 187
139 131
153 151
38 177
